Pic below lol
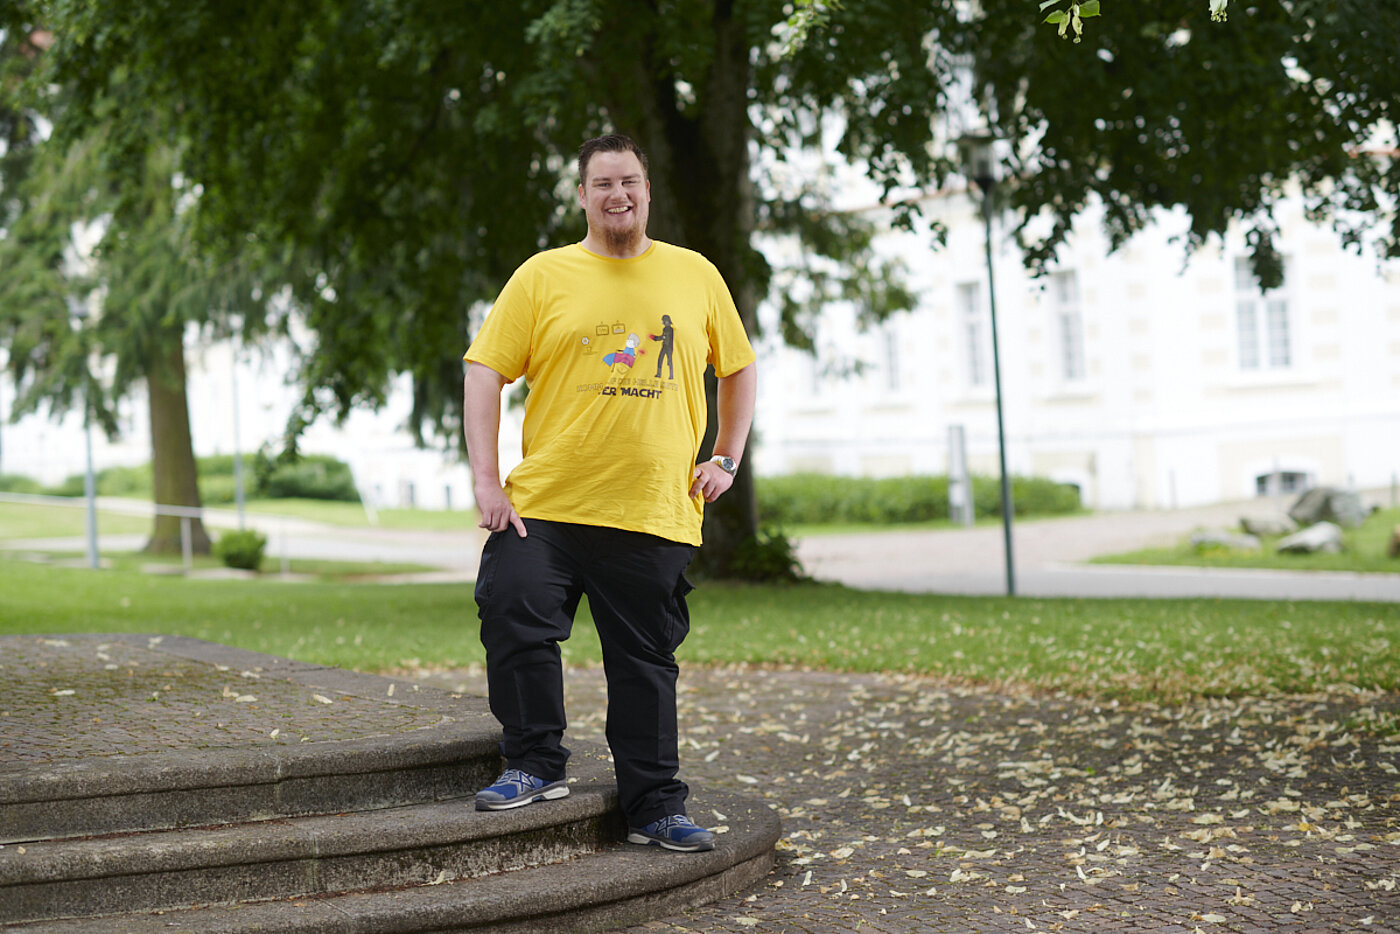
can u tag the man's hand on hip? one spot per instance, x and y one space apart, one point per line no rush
711 481
497 514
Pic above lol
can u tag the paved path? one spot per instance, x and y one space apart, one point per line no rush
1049 556
911 805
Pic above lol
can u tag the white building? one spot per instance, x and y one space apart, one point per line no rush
1146 380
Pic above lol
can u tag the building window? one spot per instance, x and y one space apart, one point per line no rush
1069 325
1280 481
1262 323
893 376
973 325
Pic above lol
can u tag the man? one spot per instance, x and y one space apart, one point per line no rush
608 499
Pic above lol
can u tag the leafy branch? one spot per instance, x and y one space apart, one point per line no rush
1072 18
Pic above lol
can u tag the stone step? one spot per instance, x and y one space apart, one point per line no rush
582 879
397 747
162 784
307 856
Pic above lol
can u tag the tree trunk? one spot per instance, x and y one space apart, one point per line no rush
172 450
702 199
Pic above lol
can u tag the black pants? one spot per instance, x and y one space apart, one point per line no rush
527 592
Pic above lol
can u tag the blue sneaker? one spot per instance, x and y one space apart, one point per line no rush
676 832
516 789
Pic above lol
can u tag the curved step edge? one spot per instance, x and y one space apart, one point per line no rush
621 886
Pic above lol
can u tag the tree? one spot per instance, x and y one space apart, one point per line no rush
400 157
1222 119
403 157
65 315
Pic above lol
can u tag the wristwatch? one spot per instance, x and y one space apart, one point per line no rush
725 463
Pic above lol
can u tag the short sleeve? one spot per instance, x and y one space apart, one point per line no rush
730 350
503 343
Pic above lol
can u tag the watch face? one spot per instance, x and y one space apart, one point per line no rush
727 464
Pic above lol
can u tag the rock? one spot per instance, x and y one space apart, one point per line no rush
1329 504
1271 526
1394 549
1323 536
1202 539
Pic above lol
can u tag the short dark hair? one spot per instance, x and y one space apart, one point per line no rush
612 142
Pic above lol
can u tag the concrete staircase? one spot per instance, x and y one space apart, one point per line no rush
375 832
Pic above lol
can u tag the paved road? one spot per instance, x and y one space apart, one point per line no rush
1048 556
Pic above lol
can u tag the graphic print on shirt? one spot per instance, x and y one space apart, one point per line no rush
625 380
627 356
667 337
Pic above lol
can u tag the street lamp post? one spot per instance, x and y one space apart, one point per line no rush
238 494
980 159
77 317
90 484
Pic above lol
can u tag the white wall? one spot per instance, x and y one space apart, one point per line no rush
1165 414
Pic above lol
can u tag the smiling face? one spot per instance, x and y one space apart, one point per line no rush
616 197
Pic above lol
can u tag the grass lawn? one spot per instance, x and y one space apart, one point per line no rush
23 520
353 515
1365 553
271 565
1161 650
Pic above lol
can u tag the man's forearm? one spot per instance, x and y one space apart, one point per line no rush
735 402
481 415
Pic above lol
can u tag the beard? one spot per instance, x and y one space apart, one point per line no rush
623 239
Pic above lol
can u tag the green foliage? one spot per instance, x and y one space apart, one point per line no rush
1071 18
241 549
18 483
125 481
768 557
1300 94
311 476
814 499
72 485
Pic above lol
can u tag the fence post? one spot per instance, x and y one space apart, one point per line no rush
186 544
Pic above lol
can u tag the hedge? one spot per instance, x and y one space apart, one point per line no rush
312 476
823 498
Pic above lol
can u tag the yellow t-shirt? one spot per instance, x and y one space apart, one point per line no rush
614 352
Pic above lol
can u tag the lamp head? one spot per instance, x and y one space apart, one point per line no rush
979 159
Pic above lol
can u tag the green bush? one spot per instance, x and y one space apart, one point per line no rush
71 486
823 498
110 481
769 557
221 465
308 477
125 481
18 483
218 490
241 549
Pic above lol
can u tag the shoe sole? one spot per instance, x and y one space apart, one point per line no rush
547 793
644 840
